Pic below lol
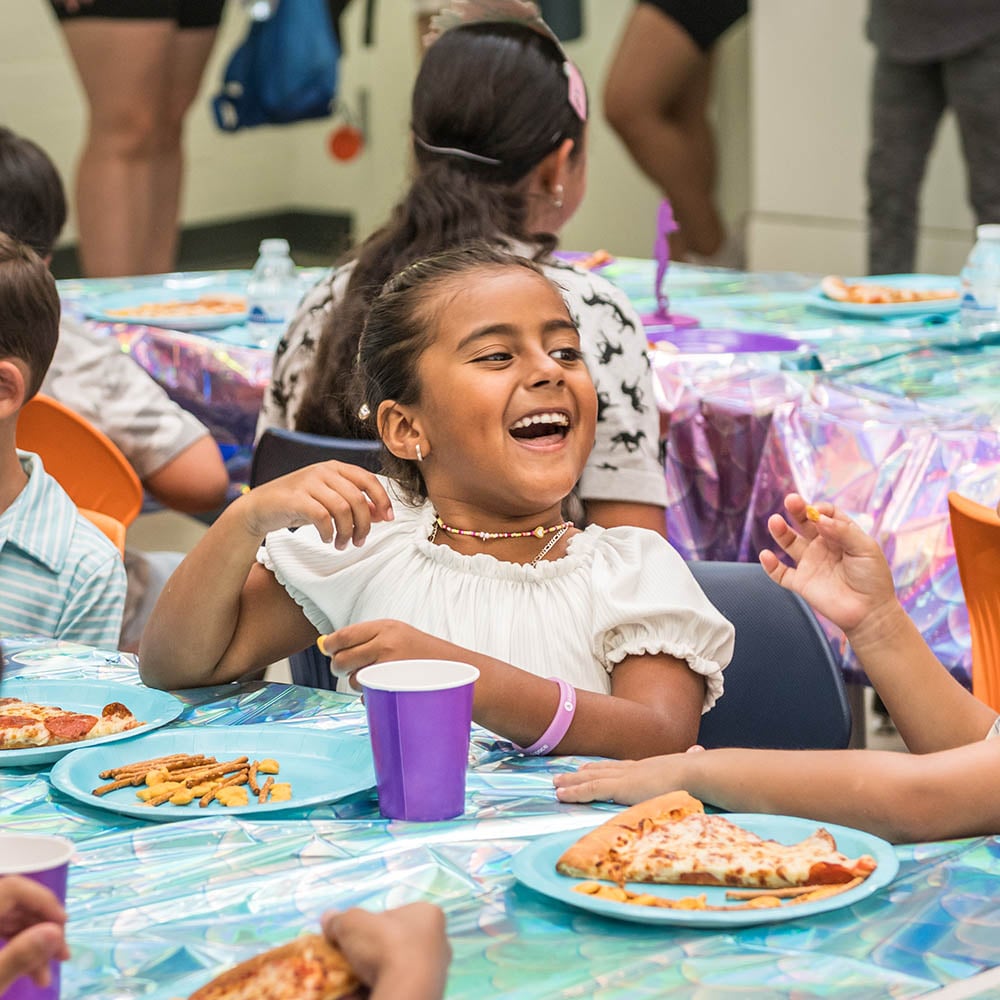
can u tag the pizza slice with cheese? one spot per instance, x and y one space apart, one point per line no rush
28 724
308 968
671 840
873 293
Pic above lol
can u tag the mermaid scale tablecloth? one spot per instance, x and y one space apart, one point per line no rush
155 909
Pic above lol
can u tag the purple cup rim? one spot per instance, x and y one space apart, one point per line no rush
456 674
60 852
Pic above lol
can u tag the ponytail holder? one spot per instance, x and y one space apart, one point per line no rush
560 723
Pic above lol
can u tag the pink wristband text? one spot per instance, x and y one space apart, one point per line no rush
560 723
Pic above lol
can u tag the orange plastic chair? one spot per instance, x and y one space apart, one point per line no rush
111 527
976 532
85 462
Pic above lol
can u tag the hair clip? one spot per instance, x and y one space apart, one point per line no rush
364 411
576 91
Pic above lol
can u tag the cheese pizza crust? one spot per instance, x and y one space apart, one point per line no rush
870 293
308 968
671 840
206 305
26 724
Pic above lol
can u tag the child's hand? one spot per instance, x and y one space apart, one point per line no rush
360 645
32 919
839 570
625 781
399 948
341 500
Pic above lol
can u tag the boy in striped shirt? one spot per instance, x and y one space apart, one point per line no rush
60 577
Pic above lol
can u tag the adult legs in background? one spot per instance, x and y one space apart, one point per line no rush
139 77
972 85
907 103
656 99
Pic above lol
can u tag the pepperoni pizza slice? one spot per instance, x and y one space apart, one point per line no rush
308 968
27 724
671 840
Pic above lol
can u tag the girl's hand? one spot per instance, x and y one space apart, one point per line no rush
625 781
839 570
360 645
341 500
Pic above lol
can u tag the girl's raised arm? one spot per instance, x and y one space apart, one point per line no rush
222 616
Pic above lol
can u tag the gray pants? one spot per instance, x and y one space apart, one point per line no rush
908 100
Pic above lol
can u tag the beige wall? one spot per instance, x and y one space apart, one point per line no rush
809 76
790 110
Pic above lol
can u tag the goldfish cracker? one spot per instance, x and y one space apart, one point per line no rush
203 788
157 776
812 513
182 797
281 791
157 789
268 766
233 795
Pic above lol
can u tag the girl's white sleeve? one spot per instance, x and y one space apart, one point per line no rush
646 601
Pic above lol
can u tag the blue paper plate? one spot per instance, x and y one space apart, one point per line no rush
889 310
535 867
154 708
125 304
321 767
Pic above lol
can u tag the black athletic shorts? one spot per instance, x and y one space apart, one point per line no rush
187 13
704 20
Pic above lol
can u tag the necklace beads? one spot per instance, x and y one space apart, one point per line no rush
488 536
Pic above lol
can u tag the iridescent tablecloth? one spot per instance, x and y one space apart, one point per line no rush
155 909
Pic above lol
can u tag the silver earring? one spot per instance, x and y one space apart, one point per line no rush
557 196
420 457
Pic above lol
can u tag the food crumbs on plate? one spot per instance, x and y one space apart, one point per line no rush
268 766
812 513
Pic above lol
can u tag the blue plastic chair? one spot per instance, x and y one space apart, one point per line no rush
784 688
280 451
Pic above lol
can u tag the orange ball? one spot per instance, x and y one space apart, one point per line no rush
345 143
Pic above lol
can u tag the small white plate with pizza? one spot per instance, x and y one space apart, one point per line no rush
888 296
683 866
42 720
179 774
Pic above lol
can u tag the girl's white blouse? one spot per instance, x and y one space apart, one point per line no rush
617 592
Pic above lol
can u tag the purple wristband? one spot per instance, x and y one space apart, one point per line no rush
560 723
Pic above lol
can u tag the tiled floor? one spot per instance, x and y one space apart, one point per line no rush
166 530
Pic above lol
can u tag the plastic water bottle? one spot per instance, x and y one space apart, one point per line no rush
980 308
272 294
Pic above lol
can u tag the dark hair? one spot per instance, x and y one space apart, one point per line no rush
493 89
32 200
29 309
400 326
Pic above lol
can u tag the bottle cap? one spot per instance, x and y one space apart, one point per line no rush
281 246
988 232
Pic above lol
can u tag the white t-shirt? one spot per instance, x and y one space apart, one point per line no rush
625 464
617 592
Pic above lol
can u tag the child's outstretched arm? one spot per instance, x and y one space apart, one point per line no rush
901 797
221 615
841 572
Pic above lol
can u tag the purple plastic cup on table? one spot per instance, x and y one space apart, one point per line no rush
45 860
419 718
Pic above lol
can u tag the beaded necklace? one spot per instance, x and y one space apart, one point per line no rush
556 530
489 536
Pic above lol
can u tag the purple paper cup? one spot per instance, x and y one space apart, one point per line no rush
419 717
45 860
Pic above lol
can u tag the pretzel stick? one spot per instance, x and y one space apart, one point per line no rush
265 790
218 771
254 787
236 779
147 765
126 782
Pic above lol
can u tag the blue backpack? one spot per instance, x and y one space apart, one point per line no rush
284 71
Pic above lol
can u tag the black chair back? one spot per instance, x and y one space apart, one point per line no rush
784 688
280 451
